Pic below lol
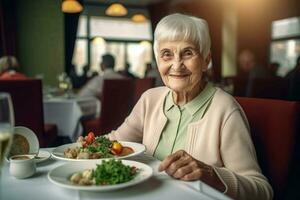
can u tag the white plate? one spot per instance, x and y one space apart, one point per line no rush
58 152
42 156
61 174
30 137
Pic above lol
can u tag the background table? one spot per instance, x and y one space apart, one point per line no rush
66 113
160 186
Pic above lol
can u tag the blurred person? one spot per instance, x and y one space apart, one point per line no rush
92 74
293 78
9 69
250 70
246 61
198 131
152 72
273 68
79 81
126 73
95 85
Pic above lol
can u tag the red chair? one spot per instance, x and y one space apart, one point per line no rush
141 85
116 102
28 107
274 124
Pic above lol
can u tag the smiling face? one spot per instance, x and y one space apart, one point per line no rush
181 66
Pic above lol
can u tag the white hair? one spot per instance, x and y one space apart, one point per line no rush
176 27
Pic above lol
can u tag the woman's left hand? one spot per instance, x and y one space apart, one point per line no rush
183 166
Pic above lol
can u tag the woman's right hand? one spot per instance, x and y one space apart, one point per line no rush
183 166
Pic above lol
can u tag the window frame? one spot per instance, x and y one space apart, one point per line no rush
281 39
108 40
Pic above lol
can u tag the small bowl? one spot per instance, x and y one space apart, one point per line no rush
22 166
26 143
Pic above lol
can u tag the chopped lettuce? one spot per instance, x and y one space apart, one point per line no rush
113 172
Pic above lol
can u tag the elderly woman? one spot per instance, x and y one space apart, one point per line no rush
198 131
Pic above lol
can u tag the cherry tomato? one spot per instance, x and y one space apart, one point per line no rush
116 148
90 138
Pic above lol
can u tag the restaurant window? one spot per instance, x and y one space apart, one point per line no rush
285 45
127 41
80 56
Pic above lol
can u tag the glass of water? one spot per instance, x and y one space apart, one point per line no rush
6 127
7 123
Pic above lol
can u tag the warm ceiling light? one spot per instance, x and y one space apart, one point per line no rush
71 6
98 41
138 18
116 10
145 43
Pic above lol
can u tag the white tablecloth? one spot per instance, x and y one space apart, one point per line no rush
66 114
160 186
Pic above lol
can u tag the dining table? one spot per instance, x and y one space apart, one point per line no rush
67 112
159 186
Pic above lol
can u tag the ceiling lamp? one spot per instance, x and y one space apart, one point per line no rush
145 43
71 6
138 18
116 10
98 41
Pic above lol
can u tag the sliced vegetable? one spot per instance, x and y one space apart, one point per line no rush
90 138
116 148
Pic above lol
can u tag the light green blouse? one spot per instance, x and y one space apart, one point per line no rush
173 136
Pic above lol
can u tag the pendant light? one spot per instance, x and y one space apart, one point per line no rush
116 10
138 18
71 6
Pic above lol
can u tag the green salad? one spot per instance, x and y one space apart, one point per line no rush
110 172
113 172
101 145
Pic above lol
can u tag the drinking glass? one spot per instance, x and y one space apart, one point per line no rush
6 127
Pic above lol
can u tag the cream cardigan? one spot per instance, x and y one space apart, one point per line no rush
221 139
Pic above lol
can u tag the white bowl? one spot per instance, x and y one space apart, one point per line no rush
31 138
22 168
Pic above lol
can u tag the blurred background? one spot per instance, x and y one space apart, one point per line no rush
48 40
60 44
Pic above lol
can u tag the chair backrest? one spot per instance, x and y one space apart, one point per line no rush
116 102
274 124
271 88
141 85
28 103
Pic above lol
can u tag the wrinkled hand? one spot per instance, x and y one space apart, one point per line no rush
181 165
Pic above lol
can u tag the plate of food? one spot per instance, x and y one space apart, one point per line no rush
100 175
24 142
91 147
